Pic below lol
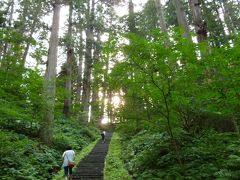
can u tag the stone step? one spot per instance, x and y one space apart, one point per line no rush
88 178
91 167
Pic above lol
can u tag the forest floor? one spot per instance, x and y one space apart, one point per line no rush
91 167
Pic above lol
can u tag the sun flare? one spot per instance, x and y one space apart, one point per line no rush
104 120
116 101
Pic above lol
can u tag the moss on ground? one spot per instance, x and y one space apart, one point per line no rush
114 166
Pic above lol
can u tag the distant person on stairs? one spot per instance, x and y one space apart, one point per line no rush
103 134
68 162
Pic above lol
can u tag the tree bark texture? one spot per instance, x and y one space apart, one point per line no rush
68 80
131 18
181 16
10 19
46 129
95 98
80 70
199 25
110 107
160 12
88 64
24 57
227 17
162 21
104 91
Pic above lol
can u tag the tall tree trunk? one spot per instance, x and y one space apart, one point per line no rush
68 79
160 12
24 57
11 6
227 17
46 127
88 63
104 91
162 21
216 8
131 18
102 108
199 25
110 107
80 69
181 17
218 17
10 19
95 98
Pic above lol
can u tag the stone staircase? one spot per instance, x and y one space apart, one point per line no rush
91 167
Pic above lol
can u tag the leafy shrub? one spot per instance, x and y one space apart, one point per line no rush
70 132
23 158
211 155
141 153
86 132
61 142
195 120
20 100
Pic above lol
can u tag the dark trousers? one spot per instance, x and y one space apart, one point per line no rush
66 170
103 137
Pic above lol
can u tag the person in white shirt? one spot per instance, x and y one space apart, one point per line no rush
68 156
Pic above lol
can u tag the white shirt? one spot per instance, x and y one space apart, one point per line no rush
68 155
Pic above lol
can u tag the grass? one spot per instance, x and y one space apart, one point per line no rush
114 166
79 156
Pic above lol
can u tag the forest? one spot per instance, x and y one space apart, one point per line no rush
164 75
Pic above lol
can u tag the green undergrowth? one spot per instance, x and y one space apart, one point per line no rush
210 155
79 156
23 156
74 134
114 166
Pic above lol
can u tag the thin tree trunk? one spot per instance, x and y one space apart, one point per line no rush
227 17
102 108
80 70
104 91
109 107
162 21
46 127
95 91
11 7
68 80
24 57
131 18
11 13
181 17
218 17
